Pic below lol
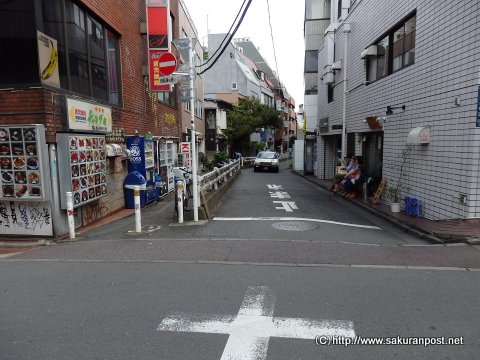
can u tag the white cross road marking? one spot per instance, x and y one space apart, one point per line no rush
288 206
275 187
249 332
276 218
279 194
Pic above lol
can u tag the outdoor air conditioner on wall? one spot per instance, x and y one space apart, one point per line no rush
372 50
328 78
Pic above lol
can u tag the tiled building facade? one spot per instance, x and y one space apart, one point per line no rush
420 58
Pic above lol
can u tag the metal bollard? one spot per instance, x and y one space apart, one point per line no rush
136 201
180 201
71 222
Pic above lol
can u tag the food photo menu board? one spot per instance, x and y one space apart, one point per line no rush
82 159
23 158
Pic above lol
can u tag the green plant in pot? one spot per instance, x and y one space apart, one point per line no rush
394 194
397 188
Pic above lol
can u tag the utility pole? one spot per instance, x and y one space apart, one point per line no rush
346 31
193 136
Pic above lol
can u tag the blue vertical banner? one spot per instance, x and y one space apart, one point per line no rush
478 107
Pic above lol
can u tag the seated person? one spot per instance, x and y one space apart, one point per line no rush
351 179
348 164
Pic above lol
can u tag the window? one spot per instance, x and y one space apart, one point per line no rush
330 93
404 45
315 9
311 61
167 98
19 60
90 64
395 51
198 108
234 86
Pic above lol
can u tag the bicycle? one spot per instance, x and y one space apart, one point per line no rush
186 177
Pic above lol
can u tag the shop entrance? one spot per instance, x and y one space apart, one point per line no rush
373 157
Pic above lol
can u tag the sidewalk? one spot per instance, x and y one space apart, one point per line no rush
441 231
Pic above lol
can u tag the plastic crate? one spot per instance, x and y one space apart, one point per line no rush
413 206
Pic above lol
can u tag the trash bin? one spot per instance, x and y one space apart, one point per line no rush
133 179
158 186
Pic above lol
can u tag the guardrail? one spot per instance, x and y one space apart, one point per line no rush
211 180
248 161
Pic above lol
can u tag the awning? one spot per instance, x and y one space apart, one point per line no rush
419 135
372 50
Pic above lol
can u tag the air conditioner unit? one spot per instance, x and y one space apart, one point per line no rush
328 78
372 50
337 65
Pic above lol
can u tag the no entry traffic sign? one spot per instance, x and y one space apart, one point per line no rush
167 64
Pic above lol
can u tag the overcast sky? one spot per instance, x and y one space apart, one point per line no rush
287 26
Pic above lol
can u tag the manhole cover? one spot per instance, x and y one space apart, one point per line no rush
294 226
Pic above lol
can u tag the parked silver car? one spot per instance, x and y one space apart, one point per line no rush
266 160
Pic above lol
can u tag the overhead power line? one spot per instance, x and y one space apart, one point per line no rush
229 38
226 36
273 44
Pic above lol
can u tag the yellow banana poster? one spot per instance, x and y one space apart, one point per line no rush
48 60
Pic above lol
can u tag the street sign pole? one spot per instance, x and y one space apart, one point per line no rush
193 136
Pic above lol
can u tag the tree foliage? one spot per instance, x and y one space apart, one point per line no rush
248 117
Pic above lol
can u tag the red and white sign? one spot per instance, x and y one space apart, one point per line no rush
154 71
184 148
167 63
158 42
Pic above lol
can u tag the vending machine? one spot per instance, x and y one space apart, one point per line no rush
165 164
143 160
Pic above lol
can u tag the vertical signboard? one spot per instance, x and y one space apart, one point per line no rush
82 165
158 40
48 60
25 185
24 171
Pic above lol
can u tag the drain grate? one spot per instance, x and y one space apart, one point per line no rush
294 226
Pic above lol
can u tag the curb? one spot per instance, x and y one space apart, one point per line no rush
23 244
407 228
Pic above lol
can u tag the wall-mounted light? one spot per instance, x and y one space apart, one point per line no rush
390 108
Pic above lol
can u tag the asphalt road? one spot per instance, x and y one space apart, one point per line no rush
256 282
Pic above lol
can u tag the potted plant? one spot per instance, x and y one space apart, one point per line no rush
395 192
395 196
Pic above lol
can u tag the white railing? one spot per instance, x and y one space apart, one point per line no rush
247 161
211 180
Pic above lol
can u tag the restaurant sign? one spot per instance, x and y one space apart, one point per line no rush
85 116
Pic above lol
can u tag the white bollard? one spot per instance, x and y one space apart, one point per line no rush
180 201
138 215
71 222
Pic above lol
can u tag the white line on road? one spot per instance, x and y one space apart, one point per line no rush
249 332
293 219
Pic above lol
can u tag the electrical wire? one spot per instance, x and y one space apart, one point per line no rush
226 36
273 44
229 39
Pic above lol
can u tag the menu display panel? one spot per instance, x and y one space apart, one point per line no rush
82 158
24 172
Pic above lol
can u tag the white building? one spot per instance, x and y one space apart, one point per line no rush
391 71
